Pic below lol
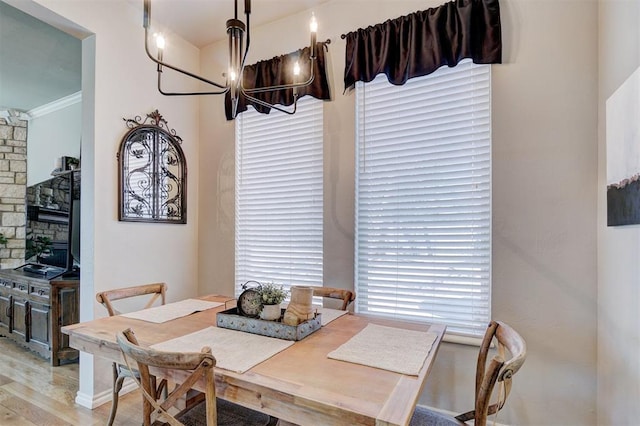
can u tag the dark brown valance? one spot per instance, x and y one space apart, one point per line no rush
277 71
420 43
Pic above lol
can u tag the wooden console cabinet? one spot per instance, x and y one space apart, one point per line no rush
33 308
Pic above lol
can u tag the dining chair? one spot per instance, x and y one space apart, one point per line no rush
146 295
335 293
499 370
199 365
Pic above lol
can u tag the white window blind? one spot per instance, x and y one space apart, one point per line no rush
423 190
279 196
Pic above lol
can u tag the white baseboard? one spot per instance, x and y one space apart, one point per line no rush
96 400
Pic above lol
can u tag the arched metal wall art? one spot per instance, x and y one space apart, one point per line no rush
152 172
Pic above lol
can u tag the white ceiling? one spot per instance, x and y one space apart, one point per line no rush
40 64
202 22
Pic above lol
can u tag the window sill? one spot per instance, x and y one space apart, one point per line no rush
462 340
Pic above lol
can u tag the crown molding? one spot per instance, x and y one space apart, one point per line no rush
55 105
13 116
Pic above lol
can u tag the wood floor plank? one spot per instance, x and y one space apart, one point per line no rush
67 412
10 418
33 393
4 380
33 413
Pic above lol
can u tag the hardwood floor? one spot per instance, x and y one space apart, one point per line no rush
32 393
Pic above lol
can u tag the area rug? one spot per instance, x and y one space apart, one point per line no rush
229 414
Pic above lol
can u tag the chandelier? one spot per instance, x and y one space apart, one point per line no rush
233 83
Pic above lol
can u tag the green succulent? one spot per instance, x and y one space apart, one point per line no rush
272 294
38 246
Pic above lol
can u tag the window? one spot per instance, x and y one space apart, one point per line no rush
423 198
279 196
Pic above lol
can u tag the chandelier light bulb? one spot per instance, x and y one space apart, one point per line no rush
313 24
232 75
160 41
160 46
296 69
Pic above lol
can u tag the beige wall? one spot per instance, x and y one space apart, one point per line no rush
119 82
618 247
52 135
544 181
544 195
544 200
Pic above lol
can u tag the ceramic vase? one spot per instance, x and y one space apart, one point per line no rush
270 312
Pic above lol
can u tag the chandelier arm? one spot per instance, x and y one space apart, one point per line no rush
164 64
246 91
277 108
282 86
219 92
246 49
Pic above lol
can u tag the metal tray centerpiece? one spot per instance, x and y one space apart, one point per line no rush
232 320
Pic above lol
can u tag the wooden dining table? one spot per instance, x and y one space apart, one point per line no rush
300 384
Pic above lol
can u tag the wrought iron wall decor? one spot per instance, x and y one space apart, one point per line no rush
152 172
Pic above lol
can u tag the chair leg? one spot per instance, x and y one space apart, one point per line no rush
117 387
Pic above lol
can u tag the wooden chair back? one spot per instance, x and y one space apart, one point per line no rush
335 293
499 370
156 290
201 364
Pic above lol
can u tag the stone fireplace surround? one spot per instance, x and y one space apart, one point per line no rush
13 186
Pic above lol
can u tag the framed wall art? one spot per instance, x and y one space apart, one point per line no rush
152 179
623 153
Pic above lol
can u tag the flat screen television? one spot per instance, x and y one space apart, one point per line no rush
53 222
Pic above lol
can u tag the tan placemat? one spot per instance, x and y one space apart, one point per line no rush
329 314
234 350
389 348
170 311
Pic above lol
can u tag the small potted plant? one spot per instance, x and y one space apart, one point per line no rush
71 163
271 295
37 247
